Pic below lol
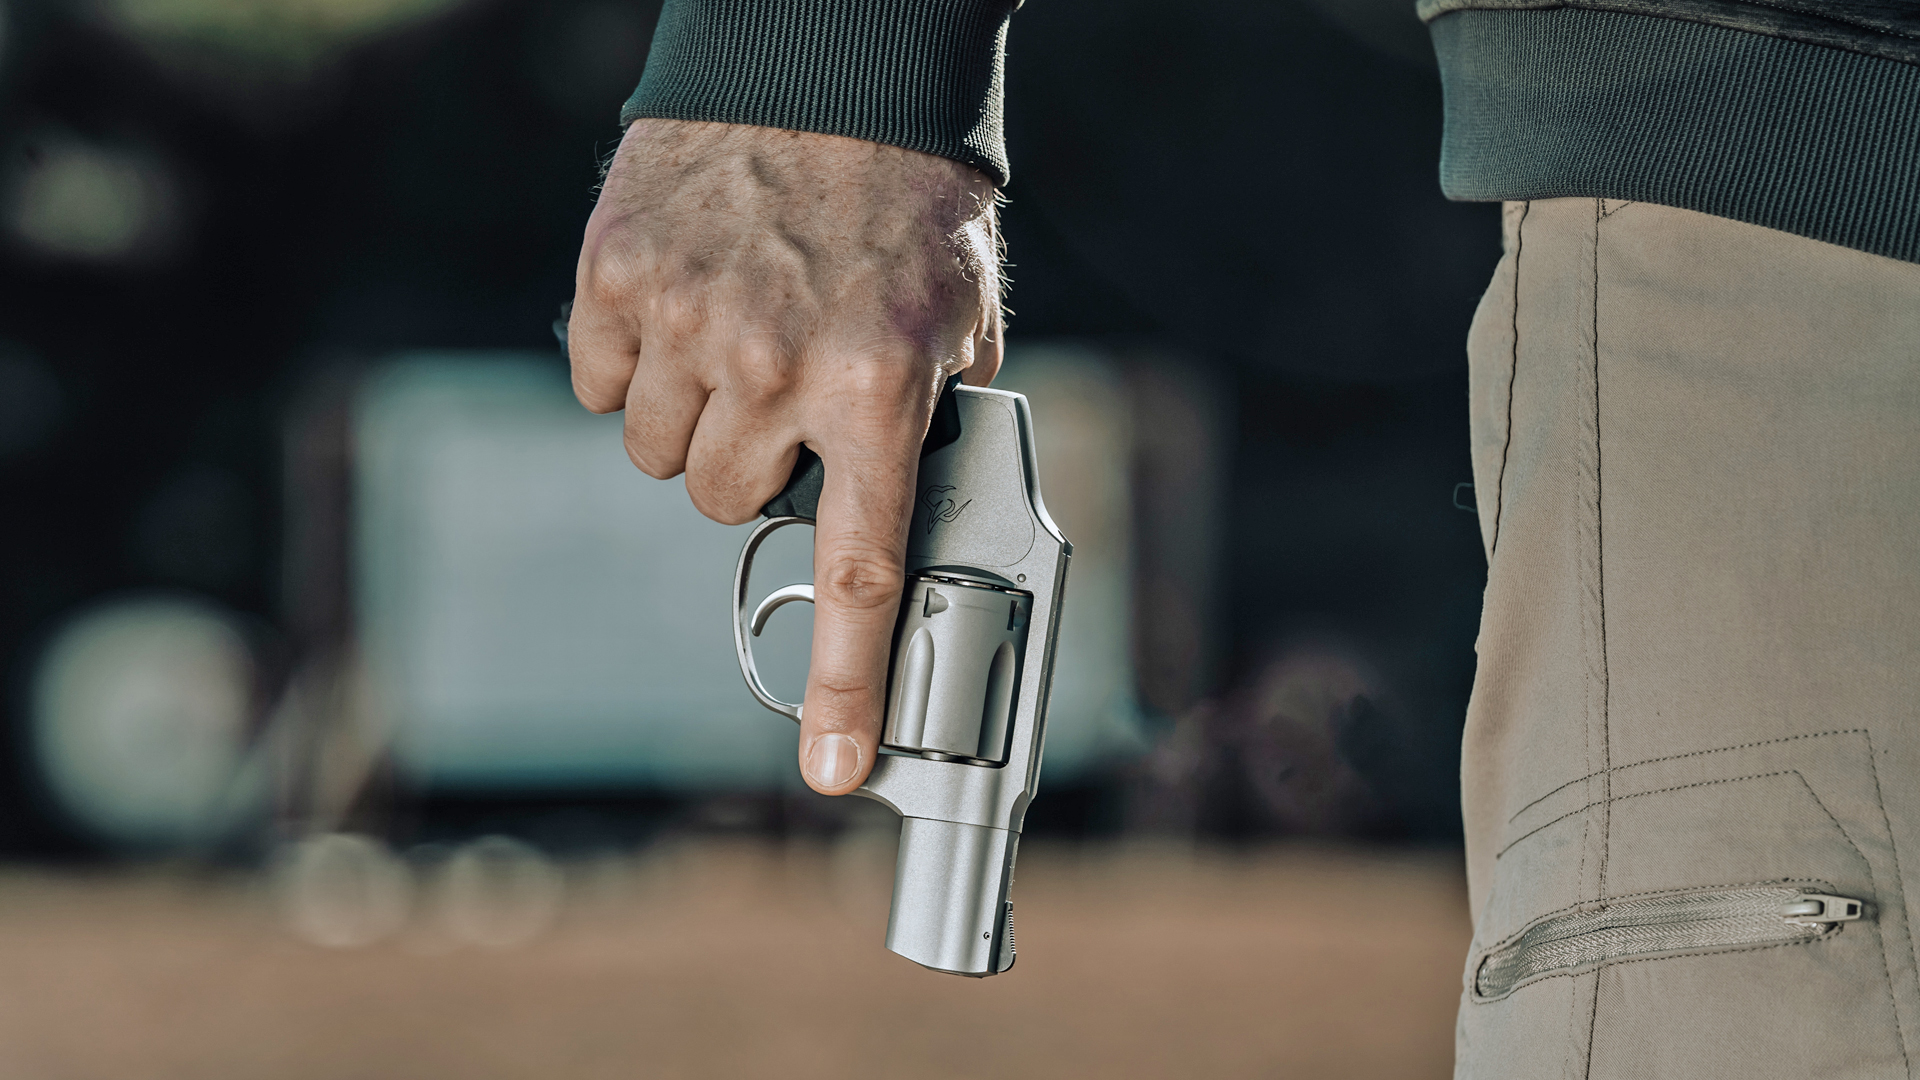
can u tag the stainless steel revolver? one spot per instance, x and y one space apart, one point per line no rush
971 668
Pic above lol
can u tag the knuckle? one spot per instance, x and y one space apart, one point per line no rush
647 459
681 311
722 502
848 691
844 702
893 375
842 685
894 361
860 580
762 369
594 400
614 275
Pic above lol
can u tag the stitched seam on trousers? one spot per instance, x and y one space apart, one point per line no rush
1893 848
1639 795
1823 883
1872 881
1573 998
1605 213
1600 575
1604 964
1872 885
1600 599
1880 939
1513 372
1696 753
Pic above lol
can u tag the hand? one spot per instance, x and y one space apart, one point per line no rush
744 290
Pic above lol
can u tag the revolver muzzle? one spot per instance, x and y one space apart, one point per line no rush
951 910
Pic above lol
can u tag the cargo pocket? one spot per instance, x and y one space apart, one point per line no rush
1750 923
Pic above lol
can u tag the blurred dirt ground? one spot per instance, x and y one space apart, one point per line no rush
747 959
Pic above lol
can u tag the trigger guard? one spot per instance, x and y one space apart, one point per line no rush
742 641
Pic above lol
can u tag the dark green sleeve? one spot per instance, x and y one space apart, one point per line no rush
922 74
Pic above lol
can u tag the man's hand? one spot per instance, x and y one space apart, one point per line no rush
744 290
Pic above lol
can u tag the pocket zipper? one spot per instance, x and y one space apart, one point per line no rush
1751 916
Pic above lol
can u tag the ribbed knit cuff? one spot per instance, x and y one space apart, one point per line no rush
921 74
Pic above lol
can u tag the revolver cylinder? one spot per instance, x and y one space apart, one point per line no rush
956 668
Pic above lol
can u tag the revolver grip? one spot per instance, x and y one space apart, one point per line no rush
801 496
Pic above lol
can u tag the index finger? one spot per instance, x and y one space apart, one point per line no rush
859 556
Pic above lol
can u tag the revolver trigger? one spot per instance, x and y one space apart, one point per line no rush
776 600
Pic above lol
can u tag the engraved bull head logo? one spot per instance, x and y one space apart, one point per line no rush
940 505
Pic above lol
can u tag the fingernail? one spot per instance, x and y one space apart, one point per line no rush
831 760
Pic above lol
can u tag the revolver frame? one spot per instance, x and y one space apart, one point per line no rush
979 519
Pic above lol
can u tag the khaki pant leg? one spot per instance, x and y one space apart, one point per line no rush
1697 460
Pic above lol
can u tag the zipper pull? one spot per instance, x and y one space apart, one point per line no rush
1819 909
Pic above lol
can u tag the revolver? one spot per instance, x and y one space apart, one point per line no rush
968 678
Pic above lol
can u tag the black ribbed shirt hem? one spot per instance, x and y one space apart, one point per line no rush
1816 141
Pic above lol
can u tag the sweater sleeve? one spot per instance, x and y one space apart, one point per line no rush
921 74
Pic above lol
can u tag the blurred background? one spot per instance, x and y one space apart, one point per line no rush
365 712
